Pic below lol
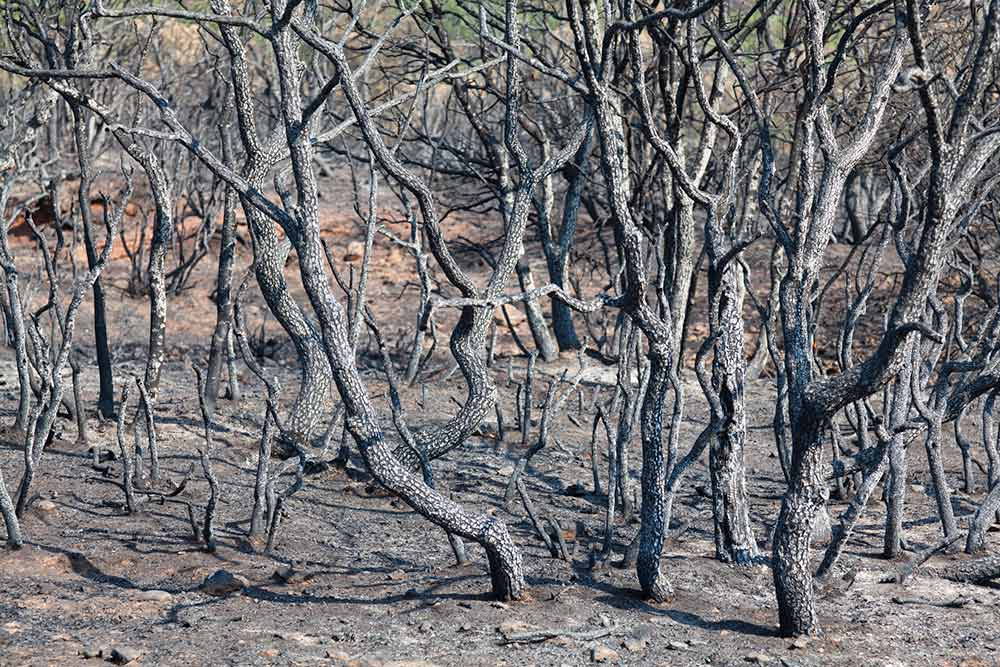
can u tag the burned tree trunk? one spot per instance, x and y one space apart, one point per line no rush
270 255
557 257
734 539
16 324
985 516
42 420
536 320
653 515
219 346
106 397
897 485
806 495
506 569
163 231
13 526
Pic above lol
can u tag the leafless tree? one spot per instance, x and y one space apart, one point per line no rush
692 174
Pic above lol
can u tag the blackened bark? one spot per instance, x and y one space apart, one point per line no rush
205 457
42 419
985 516
806 495
106 396
973 571
557 255
680 270
965 446
506 569
653 511
734 539
813 400
81 415
314 370
658 330
942 493
270 254
848 520
148 421
127 458
897 486
232 376
220 343
163 231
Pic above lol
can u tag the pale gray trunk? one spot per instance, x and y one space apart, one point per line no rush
536 320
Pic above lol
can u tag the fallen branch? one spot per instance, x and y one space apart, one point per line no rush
906 571
542 635
974 571
956 603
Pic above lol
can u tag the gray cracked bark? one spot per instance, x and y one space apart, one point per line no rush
270 254
734 538
10 520
219 345
163 231
506 569
808 409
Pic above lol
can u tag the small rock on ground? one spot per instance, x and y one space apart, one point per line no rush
45 506
93 651
224 582
634 644
123 655
153 596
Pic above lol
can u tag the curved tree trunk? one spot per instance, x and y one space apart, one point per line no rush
468 347
270 254
314 370
506 569
985 517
